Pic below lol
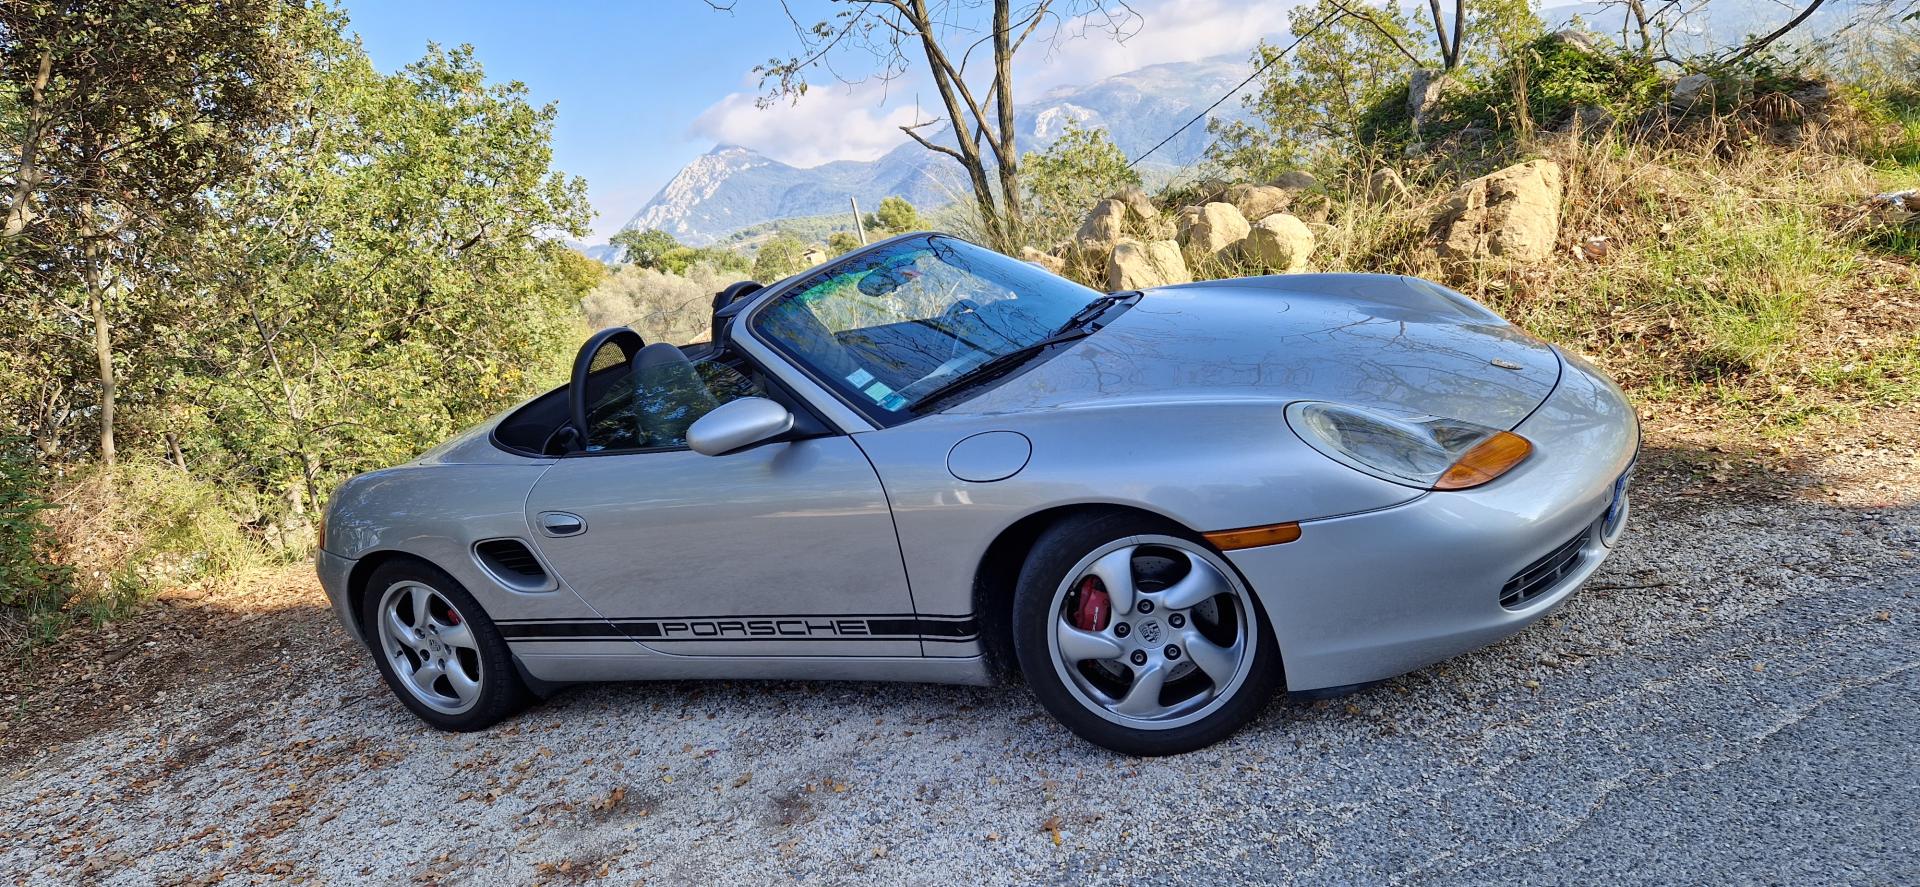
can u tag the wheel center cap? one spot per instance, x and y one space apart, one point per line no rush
1150 631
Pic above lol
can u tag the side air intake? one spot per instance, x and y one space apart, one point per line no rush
511 562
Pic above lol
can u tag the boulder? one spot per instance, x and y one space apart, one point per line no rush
1296 180
1213 229
1258 201
1105 223
1582 40
1513 213
1135 265
1046 261
1423 92
1691 89
1281 242
1385 186
1140 208
1314 209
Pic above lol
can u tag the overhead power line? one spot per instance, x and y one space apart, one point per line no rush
1338 13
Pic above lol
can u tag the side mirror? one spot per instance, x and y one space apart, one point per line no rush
736 424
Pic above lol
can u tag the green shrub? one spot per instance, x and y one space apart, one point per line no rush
32 586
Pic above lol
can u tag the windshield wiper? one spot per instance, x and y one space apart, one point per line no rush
999 364
1094 309
1076 327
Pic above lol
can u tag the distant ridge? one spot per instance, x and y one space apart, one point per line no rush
731 187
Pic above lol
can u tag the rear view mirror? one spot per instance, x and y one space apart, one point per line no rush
736 424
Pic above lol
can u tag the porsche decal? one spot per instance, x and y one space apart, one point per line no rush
890 627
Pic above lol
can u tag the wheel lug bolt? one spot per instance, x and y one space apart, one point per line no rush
1172 652
1145 607
1176 620
1121 629
1139 657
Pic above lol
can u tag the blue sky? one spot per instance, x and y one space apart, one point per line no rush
646 85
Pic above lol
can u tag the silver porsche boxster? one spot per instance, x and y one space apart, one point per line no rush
926 461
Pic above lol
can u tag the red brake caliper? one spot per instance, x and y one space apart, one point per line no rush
1092 608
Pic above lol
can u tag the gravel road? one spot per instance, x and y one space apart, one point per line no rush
1732 699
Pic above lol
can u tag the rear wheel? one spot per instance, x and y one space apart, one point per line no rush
1139 637
438 650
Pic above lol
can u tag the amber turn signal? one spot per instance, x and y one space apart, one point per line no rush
1487 460
1253 537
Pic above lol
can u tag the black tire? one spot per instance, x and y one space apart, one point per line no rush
1058 550
501 692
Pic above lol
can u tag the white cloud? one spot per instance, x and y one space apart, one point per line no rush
860 122
1168 31
831 122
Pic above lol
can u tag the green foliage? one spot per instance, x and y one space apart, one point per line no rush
1315 99
779 257
894 216
1564 76
30 582
1082 166
645 248
659 251
662 307
392 284
842 242
117 119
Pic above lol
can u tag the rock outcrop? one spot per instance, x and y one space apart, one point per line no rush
1045 260
1105 223
1691 90
1280 242
1210 230
1135 265
1386 187
1513 213
1258 201
1296 180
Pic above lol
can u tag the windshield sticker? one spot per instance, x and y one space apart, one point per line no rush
860 378
893 401
878 391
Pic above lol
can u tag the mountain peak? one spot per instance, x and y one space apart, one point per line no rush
732 187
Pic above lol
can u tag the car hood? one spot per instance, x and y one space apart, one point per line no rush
1389 343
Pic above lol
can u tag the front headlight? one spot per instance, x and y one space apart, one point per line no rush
1428 452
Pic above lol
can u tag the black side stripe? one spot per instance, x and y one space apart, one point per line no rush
887 627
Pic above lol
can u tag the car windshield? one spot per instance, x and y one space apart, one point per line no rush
906 320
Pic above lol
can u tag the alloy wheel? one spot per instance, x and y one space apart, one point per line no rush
1152 632
430 647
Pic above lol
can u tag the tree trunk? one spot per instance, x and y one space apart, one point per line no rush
1005 151
102 350
27 177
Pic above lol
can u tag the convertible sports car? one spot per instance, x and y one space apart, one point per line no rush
925 461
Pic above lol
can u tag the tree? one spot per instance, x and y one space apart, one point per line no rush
644 248
894 216
1063 181
387 275
126 113
978 113
842 242
1347 60
779 257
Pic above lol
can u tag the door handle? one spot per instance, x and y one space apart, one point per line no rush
560 523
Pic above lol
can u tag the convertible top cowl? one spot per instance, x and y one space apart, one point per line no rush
1381 342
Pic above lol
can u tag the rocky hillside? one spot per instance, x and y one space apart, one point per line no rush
732 187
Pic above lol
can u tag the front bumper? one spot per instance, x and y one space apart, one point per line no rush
1372 595
335 572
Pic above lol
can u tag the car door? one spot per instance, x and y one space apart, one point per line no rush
782 549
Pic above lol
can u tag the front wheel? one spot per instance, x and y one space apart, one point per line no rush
1139 637
438 650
